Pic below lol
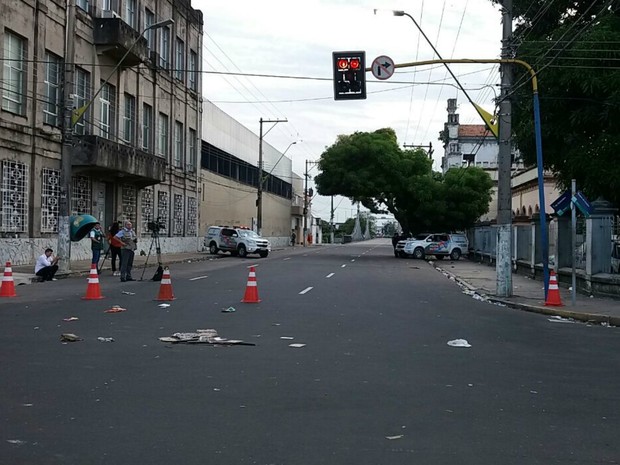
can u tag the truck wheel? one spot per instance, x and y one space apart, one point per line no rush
242 251
418 253
213 248
455 254
263 254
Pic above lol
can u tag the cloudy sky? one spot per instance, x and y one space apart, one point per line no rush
287 48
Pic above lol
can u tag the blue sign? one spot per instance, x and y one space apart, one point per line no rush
562 204
583 204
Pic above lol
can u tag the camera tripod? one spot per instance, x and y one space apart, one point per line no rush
160 269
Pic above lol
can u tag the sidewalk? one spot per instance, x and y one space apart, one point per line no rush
529 294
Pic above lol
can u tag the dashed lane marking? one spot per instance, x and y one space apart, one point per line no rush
308 289
342 266
197 278
330 275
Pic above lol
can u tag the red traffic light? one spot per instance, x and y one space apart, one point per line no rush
355 63
343 63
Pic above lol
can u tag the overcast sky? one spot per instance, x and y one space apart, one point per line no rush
290 45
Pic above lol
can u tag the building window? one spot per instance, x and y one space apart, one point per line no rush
131 17
149 20
51 107
164 48
192 216
129 119
178 215
81 196
454 147
14 214
50 194
191 151
147 209
14 79
107 101
147 125
162 140
193 71
130 202
178 145
469 159
82 96
162 207
83 4
180 62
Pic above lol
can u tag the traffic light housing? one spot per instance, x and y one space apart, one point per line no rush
349 75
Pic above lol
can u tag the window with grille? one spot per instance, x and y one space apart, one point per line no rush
162 145
192 216
107 102
14 74
177 226
178 144
129 118
147 209
51 107
81 195
82 96
14 215
163 207
179 71
147 125
130 203
50 196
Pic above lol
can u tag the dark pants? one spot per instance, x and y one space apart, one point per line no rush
126 264
96 256
48 272
115 252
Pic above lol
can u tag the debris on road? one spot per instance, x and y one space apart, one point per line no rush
287 338
392 438
71 318
297 346
459 343
128 293
70 337
228 310
559 319
164 305
105 339
115 309
203 336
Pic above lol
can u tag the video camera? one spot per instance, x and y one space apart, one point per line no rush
156 226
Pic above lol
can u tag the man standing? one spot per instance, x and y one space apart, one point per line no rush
293 238
46 266
129 240
96 243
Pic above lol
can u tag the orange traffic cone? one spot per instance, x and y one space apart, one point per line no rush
251 290
553 295
165 288
93 291
7 288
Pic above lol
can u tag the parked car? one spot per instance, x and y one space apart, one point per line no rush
236 241
439 245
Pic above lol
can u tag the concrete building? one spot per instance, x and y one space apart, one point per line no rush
135 148
229 180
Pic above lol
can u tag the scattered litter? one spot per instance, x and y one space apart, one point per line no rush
105 339
203 336
27 405
70 337
164 305
297 346
392 438
275 324
17 442
128 293
71 318
287 337
116 309
559 319
228 310
459 343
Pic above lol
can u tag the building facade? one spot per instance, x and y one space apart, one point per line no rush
133 80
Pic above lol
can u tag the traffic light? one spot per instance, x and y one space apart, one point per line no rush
349 75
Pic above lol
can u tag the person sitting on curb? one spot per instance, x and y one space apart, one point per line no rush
46 266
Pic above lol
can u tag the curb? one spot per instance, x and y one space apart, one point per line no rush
553 311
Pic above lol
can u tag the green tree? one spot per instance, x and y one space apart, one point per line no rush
573 46
372 169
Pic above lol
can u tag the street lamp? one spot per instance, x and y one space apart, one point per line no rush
70 118
281 156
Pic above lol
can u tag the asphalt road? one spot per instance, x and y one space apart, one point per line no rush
375 383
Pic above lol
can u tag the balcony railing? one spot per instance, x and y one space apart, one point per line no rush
114 37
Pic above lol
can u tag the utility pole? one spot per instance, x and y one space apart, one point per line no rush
64 205
503 264
259 198
331 222
429 148
306 204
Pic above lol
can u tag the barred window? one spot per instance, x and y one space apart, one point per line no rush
130 203
50 196
14 215
163 207
192 216
81 195
178 226
147 209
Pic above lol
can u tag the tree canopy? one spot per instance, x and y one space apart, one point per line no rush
573 47
372 169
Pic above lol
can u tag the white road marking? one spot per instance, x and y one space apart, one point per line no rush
308 289
330 275
343 266
287 258
197 278
353 259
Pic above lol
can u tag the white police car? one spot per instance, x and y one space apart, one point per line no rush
439 245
